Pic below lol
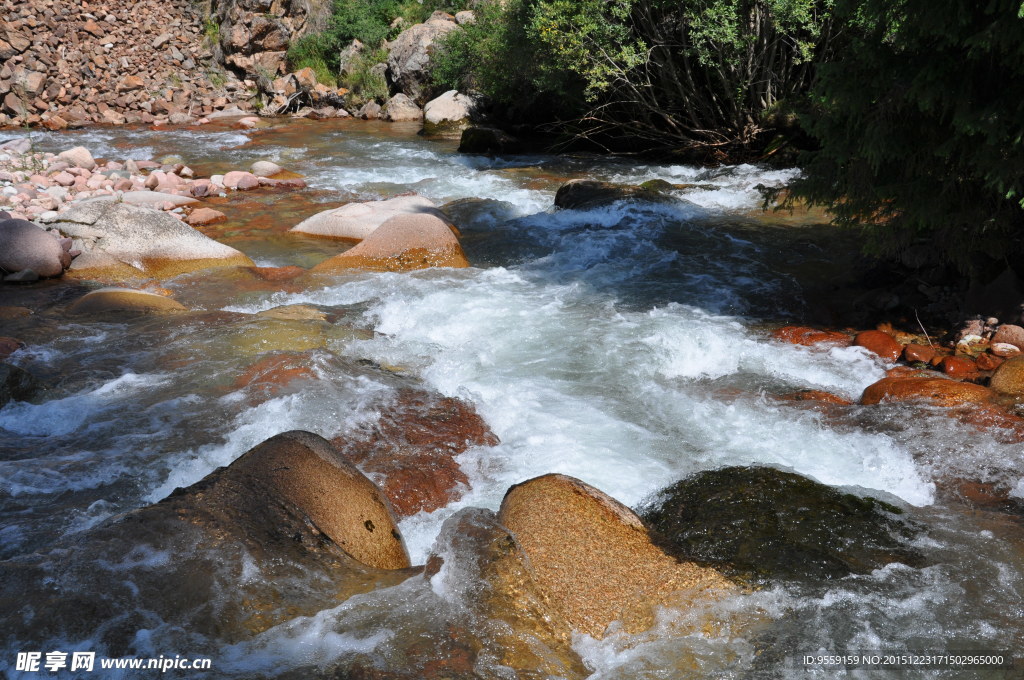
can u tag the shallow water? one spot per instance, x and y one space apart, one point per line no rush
623 345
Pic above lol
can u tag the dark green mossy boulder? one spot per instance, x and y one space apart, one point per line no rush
761 522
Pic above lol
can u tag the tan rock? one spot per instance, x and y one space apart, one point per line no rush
242 181
593 557
204 216
1009 377
356 221
124 300
402 243
78 157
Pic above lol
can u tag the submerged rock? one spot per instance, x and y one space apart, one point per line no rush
122 241
768 523
124 300
585 194
286 530
593 558
402 243
16 384
410 451
487 140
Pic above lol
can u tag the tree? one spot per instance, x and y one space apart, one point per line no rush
921 129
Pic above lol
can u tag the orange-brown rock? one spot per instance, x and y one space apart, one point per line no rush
914 353
816 396
988 362
1009 377
882 344
9 346
107 300
275 274
411 449
593 557
402 243
801 335
274 372
958 367
934 391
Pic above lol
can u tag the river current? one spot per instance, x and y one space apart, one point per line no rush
627 346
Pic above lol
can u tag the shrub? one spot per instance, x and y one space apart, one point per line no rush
921 129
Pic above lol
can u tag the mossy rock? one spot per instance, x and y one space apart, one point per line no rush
761 523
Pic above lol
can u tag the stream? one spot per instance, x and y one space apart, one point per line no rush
627 346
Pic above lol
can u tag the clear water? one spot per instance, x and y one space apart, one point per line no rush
623 345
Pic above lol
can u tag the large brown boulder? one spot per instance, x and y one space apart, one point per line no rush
24 245
593 557
402 243
356 221
286 530
120 241
934 391
1009 377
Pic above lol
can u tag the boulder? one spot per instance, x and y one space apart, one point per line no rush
918 354
410 52
958 368
487 140
155 199
452 112
1009 377
1010 334
349 57
593 558
585 194
78 157
410 450
402 243
241 181
113 299
356 221
369 111
26 246
401 109
9 346
932 391
882 344
265 169
766 523
288 529
122 241
16 384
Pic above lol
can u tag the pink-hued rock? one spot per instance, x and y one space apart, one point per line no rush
242 181
64 178
78 157
204 216
24 245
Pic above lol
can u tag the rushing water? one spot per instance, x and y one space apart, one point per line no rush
623 345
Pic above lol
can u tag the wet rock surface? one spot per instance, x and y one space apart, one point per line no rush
227 557
766 523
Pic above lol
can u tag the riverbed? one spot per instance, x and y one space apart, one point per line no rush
626 345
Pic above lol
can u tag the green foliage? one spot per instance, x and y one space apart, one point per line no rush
363 84
211 29
314 52
921 128
501 56
697 73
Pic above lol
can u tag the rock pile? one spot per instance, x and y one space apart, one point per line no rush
64 64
